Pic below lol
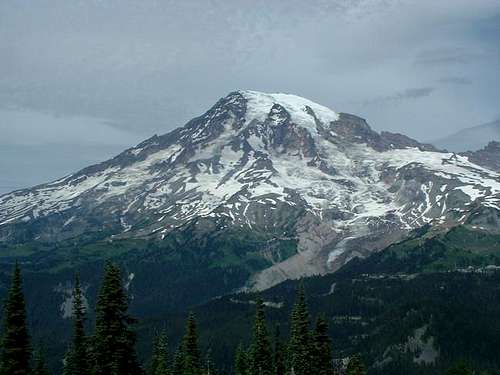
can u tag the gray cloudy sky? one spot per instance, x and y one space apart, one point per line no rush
82 79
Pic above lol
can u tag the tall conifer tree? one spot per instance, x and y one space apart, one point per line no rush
114 340
322 351
190 352
261 359
178 362
16 353
300 337
77 360
241 361
159 360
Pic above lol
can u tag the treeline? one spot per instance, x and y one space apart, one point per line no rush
306 352
109 351
110 348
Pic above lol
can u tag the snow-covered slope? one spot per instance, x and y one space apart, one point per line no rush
272 163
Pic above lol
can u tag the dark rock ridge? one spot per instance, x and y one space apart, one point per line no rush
355 129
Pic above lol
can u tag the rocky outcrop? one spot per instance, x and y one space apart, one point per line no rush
488 157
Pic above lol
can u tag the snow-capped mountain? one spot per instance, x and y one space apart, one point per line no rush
273 163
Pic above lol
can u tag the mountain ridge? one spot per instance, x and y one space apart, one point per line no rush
272 163
470 139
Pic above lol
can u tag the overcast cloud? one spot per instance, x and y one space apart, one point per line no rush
101 75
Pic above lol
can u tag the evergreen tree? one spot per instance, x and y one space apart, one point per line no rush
322 351
178 363
261 358
241 361
355 366
114 340
40 367
300 340
16 353
77 357
159 360
279 353
190 351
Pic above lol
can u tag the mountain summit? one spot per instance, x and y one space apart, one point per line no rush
273 164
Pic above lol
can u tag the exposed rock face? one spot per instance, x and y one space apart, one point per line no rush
488 157
395 140
273 163
355 129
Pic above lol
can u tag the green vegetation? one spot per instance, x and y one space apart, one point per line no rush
300 338
279 353
261 362
426 251
241 365
77 359
159 359
417 296
190 352
16 349
113 343
111 349
322 349
355 366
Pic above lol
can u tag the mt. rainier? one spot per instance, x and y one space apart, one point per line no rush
274 164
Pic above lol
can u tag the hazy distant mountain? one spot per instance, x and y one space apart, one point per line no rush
470 139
